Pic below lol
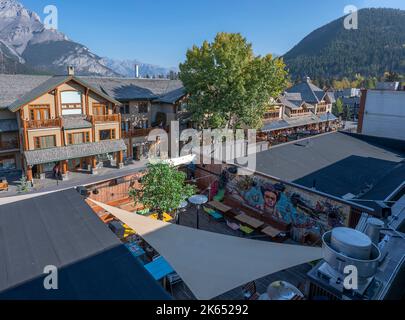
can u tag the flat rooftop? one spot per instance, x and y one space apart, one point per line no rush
61 230
337 164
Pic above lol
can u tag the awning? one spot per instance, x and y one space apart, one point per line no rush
212 264
73 152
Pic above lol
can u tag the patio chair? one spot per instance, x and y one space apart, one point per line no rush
213 214
250 292
173 279
246 230
232 225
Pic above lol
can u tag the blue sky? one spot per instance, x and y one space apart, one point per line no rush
160 31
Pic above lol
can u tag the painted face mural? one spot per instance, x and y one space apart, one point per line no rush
287 204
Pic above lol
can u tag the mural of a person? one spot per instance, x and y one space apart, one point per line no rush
271 196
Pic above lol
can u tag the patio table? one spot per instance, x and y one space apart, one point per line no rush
219 206
272 232
159 268
252 222
135 250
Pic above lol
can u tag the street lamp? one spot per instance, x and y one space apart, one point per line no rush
182 206
198 200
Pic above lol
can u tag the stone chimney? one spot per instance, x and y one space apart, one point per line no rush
71 70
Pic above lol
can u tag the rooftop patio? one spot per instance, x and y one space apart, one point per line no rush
188 218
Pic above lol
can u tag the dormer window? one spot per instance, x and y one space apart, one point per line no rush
71 102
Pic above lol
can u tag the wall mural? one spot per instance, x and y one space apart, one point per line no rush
304 211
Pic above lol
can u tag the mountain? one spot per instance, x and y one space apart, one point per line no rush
26 46
378 45
127 68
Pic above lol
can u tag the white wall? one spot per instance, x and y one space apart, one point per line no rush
384 115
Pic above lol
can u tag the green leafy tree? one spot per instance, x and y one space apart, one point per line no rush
347 113
228 85
164 188
337 108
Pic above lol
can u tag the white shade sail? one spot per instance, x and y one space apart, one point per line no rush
212 264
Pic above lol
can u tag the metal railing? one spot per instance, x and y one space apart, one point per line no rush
138 133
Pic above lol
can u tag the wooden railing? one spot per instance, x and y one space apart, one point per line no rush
104 118
8 145
139 133
41 124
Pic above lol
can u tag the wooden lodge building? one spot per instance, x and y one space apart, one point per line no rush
78 123
302 108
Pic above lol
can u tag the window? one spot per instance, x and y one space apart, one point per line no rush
71 102
272 114
40 112
78 138
143 107
45 142
124 109
7 163
107 134
99 109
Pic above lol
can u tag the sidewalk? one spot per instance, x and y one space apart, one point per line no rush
75 180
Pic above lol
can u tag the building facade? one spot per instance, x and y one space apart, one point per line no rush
302 109
60 124
382 112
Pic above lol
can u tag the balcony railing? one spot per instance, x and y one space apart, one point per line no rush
139 133
104 118
9 145
41 124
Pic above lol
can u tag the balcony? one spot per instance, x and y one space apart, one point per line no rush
43 124
9 145
139 133
104 118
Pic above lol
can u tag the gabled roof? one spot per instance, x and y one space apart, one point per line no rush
292 104
50 84
124 89
309 92
173 96
13 87
17 90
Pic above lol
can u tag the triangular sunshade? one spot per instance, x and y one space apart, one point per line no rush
212 264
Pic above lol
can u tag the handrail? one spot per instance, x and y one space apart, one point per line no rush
136 133
48 123
104 118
